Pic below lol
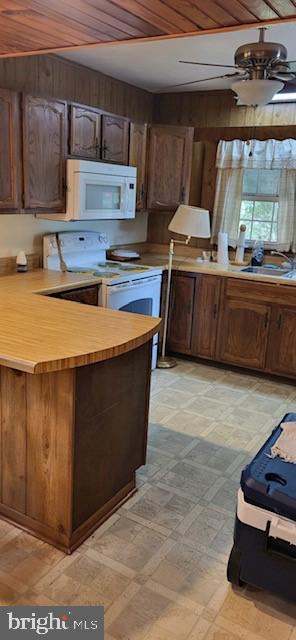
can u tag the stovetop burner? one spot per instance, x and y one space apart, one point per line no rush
108 269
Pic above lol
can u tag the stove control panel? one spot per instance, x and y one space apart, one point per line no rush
75 242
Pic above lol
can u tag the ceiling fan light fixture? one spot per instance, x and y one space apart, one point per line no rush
256 92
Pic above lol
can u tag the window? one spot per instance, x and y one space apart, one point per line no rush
255 186
260 204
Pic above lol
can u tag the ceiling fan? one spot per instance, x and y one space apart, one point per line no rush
262 69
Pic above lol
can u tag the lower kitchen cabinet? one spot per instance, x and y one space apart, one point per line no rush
243 335
206 314
85 295
181 313
241 322
282 341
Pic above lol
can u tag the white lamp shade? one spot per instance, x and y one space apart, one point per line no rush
256 92
191 221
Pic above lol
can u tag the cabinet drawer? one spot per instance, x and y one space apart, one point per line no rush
87 295
261 291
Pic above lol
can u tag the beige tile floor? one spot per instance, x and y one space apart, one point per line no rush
158 564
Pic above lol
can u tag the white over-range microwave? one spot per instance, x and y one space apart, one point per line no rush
98 191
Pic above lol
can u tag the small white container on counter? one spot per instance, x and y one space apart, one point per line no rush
21 262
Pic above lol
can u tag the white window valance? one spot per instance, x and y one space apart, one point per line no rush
256 154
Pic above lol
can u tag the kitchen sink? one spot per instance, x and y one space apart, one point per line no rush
269 271
291 274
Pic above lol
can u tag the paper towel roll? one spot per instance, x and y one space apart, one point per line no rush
222 255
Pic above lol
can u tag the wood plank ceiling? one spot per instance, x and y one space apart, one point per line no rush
35 26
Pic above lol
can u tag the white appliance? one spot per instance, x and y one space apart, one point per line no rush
98 191
125 286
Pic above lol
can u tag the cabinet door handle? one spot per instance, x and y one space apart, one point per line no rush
182 195
104 149
215 311
97 147
266 319
64 186
279 321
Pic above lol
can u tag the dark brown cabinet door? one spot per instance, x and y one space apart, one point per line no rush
44 150
205 315
181 313
86 295
137 158
115 139
169 166
10 188
243 335
282 341
85 138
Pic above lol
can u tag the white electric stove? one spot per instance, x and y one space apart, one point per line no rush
125 286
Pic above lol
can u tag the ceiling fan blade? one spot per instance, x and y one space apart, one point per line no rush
290 81
284 77
209 64
226 75
292 65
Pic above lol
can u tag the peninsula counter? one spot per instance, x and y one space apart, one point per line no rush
75 383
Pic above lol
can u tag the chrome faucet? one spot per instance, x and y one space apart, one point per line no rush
292 261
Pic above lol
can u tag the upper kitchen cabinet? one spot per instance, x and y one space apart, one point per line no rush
44 151
137 158
115 139
10 187
85 132
169 166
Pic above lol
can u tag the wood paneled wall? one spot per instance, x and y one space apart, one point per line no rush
50 76
218 109
215 117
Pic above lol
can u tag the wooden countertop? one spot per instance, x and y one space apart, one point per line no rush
182 263
39 334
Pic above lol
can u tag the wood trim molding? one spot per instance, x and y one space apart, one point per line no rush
87 528
156 38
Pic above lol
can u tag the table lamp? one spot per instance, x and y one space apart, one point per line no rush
190 222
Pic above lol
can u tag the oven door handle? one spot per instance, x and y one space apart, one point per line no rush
134 284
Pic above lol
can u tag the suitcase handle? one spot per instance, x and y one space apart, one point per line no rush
280 548
274 526
283 529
